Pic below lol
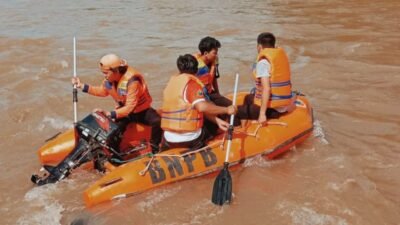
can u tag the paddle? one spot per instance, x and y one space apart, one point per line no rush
222 190
75 91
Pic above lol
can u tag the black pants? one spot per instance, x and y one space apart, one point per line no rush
148 117
251 111
220 100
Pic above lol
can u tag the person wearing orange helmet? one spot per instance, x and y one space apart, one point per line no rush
128 88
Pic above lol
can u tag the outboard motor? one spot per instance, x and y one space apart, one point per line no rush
95 132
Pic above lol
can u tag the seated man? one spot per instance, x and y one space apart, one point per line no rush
129 90
184 108
208 74
208 70
273 92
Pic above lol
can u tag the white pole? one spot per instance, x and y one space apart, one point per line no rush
230 132
75 95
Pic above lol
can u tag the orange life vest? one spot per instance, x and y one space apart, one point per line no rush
178 115
144 98
281 88
205 73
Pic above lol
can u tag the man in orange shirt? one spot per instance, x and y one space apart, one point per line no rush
129 90
184 108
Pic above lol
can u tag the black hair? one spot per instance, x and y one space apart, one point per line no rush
266 40
120 69
187 64
208 43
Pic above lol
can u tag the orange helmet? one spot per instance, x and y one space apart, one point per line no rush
111 62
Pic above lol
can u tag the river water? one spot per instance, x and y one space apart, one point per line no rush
344 57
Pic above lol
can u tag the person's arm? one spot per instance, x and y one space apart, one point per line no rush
132 99
262 70
214 71
100 91
210 108
262 117
195 95
222 124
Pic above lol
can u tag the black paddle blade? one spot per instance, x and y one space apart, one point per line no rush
222 191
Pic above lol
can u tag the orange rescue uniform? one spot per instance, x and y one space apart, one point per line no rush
130 93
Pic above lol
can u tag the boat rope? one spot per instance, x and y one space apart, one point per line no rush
255 133
181 156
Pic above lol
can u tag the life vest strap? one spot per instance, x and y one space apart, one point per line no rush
280 97
280 84
180 119
176 111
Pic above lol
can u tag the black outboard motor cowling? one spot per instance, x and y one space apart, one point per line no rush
97 127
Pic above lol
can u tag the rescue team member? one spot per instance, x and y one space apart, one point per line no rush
273 92
208 69
184 108
129 90
208 73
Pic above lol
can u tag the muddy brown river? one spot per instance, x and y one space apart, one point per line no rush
344 56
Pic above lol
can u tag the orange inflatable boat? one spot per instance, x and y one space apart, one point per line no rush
132 168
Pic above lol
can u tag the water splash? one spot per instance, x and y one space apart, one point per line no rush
260 161
44 71
64 64
305 215
56 123
319 132
203 211
42 207
157 197
334 186
21 70
301 60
